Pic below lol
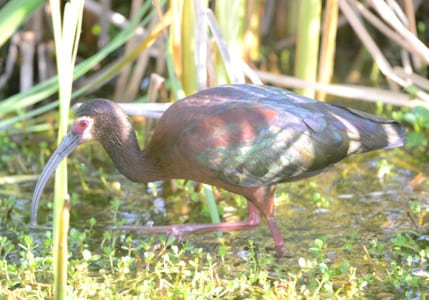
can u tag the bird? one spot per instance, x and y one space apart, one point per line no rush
243 138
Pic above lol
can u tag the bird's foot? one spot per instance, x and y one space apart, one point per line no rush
279 250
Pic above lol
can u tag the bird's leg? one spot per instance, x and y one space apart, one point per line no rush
263 199
278 241
182 229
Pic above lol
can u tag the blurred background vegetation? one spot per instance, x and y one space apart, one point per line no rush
365 50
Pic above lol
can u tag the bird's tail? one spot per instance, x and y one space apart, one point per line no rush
368 132
379 133
395 135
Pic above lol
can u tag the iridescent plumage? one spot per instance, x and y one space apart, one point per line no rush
243 138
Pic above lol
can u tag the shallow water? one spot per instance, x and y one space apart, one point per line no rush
361 202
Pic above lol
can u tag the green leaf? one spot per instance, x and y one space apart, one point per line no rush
13 14
416 138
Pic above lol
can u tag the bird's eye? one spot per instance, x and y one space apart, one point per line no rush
83 123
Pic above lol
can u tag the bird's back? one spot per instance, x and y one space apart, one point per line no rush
249 135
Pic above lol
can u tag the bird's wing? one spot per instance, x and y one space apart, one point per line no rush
254 144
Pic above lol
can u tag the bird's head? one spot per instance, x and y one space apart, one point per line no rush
93 119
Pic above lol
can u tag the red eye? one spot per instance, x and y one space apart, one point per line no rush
80 126
83 124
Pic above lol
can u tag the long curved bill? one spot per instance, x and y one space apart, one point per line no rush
68 144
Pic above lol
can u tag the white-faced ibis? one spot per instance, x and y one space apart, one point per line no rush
242 138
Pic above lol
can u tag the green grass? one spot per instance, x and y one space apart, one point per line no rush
122 267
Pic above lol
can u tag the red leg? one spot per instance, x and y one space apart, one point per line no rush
182 229
278 241
263 198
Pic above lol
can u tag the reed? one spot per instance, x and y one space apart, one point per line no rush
307 47
66 36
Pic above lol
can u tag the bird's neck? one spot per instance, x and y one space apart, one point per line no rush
129 159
